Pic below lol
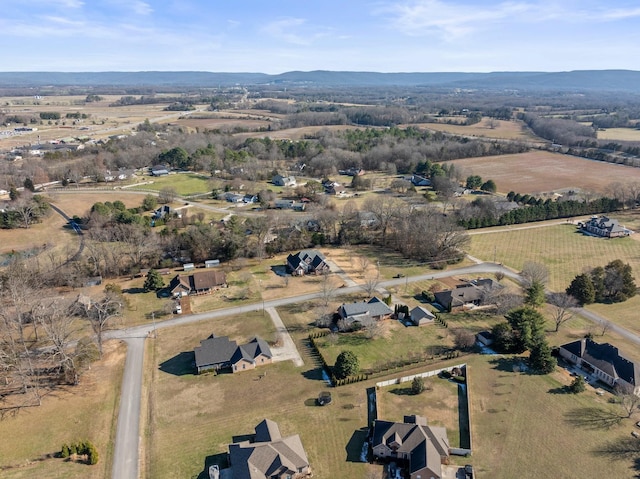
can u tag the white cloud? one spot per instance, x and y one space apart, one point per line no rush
283 30
454 20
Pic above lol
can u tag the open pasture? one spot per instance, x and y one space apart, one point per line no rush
526 426
620 134
508 130
103 120
561 247
536 172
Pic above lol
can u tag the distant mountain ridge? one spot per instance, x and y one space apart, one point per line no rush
591 80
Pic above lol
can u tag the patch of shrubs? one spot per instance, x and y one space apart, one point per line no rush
82 448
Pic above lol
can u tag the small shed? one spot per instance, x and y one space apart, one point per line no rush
211 263
188 266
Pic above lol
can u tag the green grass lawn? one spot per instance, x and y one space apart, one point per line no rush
395 341
194 418
183 183
525 426
564 250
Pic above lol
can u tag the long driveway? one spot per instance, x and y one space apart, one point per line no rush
126 455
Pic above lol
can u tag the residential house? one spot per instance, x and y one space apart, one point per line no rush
233 197
280 180
268 455
412 444
606 227
603 361
218 352
420 316
289 205
249 198
159 170
165 211
364 312
197 283
465 295
307 261
418 180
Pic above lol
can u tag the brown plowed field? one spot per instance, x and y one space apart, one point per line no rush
541 171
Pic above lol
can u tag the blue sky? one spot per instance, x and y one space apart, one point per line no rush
283 35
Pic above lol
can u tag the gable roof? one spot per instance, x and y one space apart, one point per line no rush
373 307
309 259
265 459
418 313
426 445
215 350
198 281
221 350
607 358
464 293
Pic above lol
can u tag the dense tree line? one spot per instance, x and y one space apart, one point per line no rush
533 209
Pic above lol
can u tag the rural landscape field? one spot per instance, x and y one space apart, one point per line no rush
112 204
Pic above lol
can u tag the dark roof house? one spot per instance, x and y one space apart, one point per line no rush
465 295
421 447
307 261
197 283
603 361
219 352
269 455
604 226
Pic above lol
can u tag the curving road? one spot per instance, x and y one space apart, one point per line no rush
127 447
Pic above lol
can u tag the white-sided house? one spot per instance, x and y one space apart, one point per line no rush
421 316
603 361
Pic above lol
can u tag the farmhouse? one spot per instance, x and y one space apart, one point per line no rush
268 455
606 227
280 180
420 316
197 283
422 449
365 311
216 353
465 295
307 261
603 361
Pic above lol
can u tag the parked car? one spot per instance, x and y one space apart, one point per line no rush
214 472
178 309
468 471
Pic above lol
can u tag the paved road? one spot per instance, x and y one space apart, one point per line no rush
126 455
126 452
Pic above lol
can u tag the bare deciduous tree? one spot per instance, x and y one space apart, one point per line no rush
628 400
533 272
562 308
100 313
